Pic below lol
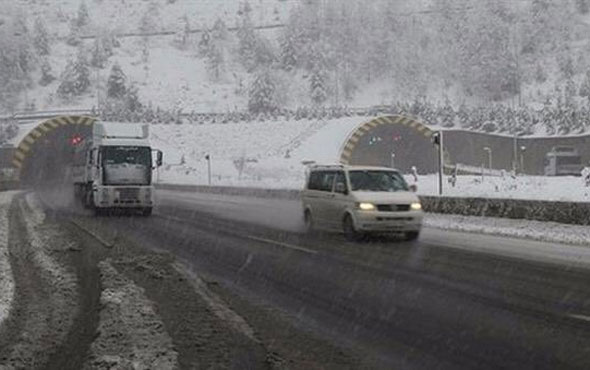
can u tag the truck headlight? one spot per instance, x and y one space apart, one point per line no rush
366 206
416 206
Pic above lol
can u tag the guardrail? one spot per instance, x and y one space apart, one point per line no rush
40 115
577 213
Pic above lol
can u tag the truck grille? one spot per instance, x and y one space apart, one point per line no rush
393 207
128 194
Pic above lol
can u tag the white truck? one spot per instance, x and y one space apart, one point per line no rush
112 168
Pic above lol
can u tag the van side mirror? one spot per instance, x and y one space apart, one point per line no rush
413 188
341 188
160 158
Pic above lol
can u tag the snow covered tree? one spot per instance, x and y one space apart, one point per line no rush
132 101
73 38
288 53
219 30
81 73
99 55
204 43
47 76
41 37
247 44
261 97
215 62
447 114
318 86
117 83
83 17
182 34
149 21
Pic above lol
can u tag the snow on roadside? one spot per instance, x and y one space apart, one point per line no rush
524 229
131 334
6 278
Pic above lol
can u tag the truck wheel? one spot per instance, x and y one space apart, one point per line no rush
146 212
412 235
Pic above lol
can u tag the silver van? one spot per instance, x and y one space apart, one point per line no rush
358 200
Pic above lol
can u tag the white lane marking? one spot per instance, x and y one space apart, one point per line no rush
579 317
216 303
106 243
254 238
281 244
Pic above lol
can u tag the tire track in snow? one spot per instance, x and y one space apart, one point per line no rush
6 277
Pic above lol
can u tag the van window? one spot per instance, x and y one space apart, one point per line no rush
341 178
314 181
321 180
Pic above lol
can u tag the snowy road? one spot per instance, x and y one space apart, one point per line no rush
269 296
440 230
450 300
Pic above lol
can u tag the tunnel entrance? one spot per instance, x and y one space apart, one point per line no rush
392 141
45 155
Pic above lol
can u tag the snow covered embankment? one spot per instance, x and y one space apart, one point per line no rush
6 278
551 232
131 334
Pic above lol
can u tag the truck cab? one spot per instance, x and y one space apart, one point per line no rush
113 168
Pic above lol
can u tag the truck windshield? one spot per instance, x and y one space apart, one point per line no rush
138 155
388 181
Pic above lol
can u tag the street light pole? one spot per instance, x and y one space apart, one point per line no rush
392 160
522 150
208 158
489 150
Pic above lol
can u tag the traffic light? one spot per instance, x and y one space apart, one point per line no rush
76 139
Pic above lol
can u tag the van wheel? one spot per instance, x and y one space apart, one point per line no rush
412 235
308 220
350 232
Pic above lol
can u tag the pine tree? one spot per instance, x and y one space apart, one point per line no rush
47 76
41 37
261 97
215 62
116 84
288 56
99 54
447 117
318 86
81 73
219 31
132 99
247 44
73 38
182 35
83 17
66 87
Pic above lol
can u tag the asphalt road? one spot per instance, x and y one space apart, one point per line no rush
446 301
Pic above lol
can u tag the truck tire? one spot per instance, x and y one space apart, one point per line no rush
146 212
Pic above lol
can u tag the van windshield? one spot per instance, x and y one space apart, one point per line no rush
375 180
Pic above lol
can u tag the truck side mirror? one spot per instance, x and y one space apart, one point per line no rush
160 159
413 188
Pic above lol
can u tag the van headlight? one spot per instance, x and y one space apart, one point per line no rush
366 206
416 206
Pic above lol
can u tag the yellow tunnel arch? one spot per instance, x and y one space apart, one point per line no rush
354 138
23 150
